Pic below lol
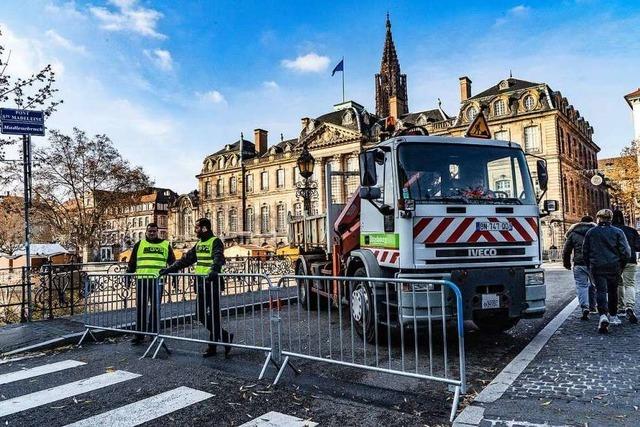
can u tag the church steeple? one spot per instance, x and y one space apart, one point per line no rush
391 84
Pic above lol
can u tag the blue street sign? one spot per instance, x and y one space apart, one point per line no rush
22 122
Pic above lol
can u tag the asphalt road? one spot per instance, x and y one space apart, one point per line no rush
327 394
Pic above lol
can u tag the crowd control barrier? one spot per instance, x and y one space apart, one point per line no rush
394 326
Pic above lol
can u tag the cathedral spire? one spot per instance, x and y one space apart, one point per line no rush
391 84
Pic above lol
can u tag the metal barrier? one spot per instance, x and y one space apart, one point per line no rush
111 303
394 326
233 313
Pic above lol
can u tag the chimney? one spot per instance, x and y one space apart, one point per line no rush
260 140
465 88
393 107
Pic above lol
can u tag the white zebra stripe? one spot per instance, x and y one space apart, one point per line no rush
147 409
39 398
38 370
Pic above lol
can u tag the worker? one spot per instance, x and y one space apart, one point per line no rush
148 257
208 255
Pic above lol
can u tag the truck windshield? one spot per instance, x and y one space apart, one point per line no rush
457 173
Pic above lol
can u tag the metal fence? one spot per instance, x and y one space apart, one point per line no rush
393 326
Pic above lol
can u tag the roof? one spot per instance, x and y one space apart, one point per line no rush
634 94
435 115
452 140
249 148
514 84
43 249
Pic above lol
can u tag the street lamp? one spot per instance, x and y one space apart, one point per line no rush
308 188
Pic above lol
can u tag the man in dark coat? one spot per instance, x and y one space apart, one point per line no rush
605 250
573 243
627 286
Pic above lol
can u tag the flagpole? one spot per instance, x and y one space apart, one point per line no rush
343 79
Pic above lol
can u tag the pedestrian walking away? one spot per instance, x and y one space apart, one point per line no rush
627 286
148 257
585 289
208 256
606 251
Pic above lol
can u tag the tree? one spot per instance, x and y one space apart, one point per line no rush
623 178
34 91
76 181
11 224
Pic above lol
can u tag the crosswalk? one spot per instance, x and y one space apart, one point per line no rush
133 414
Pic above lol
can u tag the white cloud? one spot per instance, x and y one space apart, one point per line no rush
212 96
67 9
129 17
518 11
161 58
65 43
270 85
309 63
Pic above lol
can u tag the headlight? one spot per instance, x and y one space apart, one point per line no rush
534 278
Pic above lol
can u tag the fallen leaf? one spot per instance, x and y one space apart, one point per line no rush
110 369
548 402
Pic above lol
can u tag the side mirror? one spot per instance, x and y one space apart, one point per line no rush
543 175
370 193
368 175
550 206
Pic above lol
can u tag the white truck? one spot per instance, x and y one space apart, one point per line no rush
462 209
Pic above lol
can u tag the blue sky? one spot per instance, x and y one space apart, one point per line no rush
171 82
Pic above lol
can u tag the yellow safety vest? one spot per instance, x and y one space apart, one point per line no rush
151 258
204 256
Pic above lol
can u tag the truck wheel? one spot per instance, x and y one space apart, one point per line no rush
496 324
361 307
306 296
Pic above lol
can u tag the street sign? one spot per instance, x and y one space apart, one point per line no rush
479 128
21 122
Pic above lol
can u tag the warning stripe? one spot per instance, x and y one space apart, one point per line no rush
460 230
417 229
520 229
506 234
439 230
533 223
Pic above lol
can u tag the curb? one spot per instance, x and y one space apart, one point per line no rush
472 415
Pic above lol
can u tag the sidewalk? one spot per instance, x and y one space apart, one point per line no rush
21 335
579 378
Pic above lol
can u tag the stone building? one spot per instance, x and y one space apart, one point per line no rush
183 214
126 223
260 179
547 126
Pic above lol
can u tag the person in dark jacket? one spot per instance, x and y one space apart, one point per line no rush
627 286
605 251
208 255
573 243
148 257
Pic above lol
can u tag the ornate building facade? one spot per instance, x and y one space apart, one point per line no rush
248 188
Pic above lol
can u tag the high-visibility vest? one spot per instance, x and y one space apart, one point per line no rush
204 255
151 258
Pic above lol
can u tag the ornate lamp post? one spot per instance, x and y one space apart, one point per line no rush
307 188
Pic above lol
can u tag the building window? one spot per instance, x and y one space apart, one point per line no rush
529 102
264 180
532 139
280 218
248 219
297 209
499 108
208 215
146 220
472 112
314 208
280 178
233 185
219 222
264 220
249 183
352 181
503 184
502 135
219 187
233 220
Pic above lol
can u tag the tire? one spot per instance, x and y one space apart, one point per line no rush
496 324
306 296
361 308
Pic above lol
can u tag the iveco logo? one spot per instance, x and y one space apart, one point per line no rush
483 252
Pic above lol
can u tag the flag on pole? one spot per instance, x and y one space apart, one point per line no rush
339 67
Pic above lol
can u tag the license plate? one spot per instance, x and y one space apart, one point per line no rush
490 301
493 226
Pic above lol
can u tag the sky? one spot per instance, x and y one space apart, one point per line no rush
173 81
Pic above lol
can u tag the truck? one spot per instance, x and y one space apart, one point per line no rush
430 207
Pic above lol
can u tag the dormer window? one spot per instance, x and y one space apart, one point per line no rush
347 118
422 120
499 108
529 102
504 85
472 112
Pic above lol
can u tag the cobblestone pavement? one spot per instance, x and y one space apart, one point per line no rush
21 335
580 377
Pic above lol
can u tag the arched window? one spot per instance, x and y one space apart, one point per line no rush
529 102
249 183
207 189
264 220
471 113
233 185
499 108
219 222
249 220
233 220
219 187
280 218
